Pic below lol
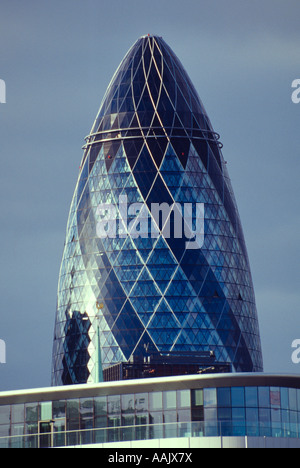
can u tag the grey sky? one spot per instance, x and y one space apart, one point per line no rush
57 59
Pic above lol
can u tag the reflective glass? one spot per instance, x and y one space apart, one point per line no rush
59 439
155 144
59 409
46 411
169 399
155 401
128 422
238 414
275 398
141 402
264 397
86 408
183 398
210 397
31 412
128 404
238 396
5 414
224 397
293 399
114 404
284 400
197 397
251 397
73 409
182 413
100 405
275 415
252 422
17 413
142 429
156 425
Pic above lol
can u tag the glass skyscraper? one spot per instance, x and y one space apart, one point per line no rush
126 290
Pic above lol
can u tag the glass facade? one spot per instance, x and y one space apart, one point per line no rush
134 294
139 414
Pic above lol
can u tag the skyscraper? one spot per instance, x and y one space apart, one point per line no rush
132 283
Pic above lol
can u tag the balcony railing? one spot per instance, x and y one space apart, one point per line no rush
149 432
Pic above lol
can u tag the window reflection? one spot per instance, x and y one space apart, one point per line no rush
210 397
240 411
155 401
238 396
141 402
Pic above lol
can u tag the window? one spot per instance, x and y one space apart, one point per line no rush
238 414
293 399
59 409
128 403
224 397
184 398
264 397
128 429
238 397
210 397
73 410
142 426
265 422
141 402
169 399
197 398
114 404
31 431
156 425
114 423
252 422
17 414
86 409
155 401
100 407
275 397
5 414
284 398
86 420
46 411
251 397
170 424
59 433
31 412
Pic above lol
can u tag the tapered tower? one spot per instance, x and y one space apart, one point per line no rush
132 283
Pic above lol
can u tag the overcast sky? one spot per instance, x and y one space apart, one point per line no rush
57 59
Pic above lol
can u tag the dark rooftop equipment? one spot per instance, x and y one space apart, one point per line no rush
166 365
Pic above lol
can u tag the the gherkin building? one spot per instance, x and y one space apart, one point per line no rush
131 292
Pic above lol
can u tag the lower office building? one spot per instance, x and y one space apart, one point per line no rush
195 411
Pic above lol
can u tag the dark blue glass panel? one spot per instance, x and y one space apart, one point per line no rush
165 110
128 329
145 172
157 148
132 150
182 148
224 397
